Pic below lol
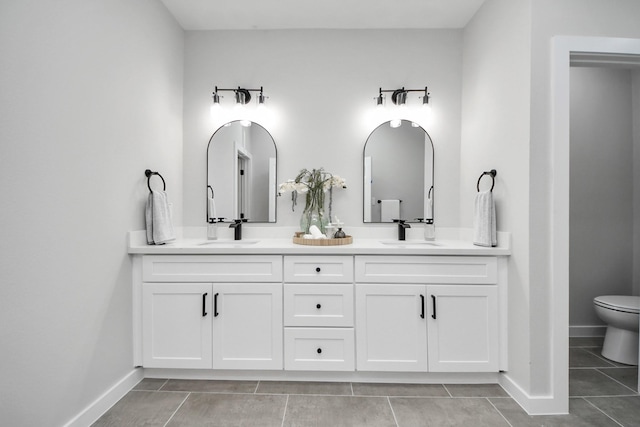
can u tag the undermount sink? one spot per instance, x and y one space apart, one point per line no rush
229 242
409 243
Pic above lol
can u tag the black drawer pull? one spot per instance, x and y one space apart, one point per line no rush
317 269
215 305
318 306
421 306
204 304
319 350
433 301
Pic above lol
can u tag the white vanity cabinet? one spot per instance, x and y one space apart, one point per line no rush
436 314
356 312
218 311
318 313
176 325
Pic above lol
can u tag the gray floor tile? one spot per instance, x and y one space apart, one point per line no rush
377 389
591 382
581 414
443 412
625 410
584 358
142 408
598 352
293 387
211 409
586 341
476 390
150 384
627 376
338 411
211 386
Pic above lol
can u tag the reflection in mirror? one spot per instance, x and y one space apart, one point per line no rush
241 171
398 173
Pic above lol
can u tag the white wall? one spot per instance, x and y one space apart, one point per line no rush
321 86
601 182
495 135
90 96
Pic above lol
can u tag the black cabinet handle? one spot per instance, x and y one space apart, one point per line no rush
422 306
433 301
319 350
318 306
215 305
317 269
204 304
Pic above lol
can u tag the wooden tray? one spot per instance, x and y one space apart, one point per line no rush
323 242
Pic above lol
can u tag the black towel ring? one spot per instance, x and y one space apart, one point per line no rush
148 173
491 173
211 188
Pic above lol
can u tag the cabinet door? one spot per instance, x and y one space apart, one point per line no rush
391 328
176 325
463 328
247 326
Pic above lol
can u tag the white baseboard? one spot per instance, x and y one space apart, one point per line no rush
587 331
109 398
534 405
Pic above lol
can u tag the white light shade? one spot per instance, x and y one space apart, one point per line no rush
215 109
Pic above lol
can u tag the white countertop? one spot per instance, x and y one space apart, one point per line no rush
366 241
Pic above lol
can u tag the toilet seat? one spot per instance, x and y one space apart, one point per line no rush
623 303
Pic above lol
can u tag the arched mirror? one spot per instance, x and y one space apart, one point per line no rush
241 173
398 173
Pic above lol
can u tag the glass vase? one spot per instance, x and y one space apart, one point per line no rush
313 217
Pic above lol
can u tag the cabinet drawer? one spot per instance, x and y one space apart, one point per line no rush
212 268
318 305
319 349
427 269
318 269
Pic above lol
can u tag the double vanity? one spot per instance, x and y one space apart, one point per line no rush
378 309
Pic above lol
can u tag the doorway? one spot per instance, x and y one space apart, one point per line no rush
607 51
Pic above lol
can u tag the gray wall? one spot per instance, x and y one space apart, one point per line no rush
601 181
90 97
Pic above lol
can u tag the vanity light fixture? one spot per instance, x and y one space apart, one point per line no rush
399 96
241 95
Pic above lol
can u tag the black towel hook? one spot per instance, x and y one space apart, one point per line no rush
148 173
210 188
491 173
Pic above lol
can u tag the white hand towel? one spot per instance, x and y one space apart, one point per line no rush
158 219
389 210
484 220
211 208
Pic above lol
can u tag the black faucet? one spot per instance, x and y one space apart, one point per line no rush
237 228
402 226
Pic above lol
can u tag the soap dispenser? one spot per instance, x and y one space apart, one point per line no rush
429 229
212 228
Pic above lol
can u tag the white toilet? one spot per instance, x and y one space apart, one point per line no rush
620 313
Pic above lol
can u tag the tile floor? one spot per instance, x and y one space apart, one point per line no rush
602 393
